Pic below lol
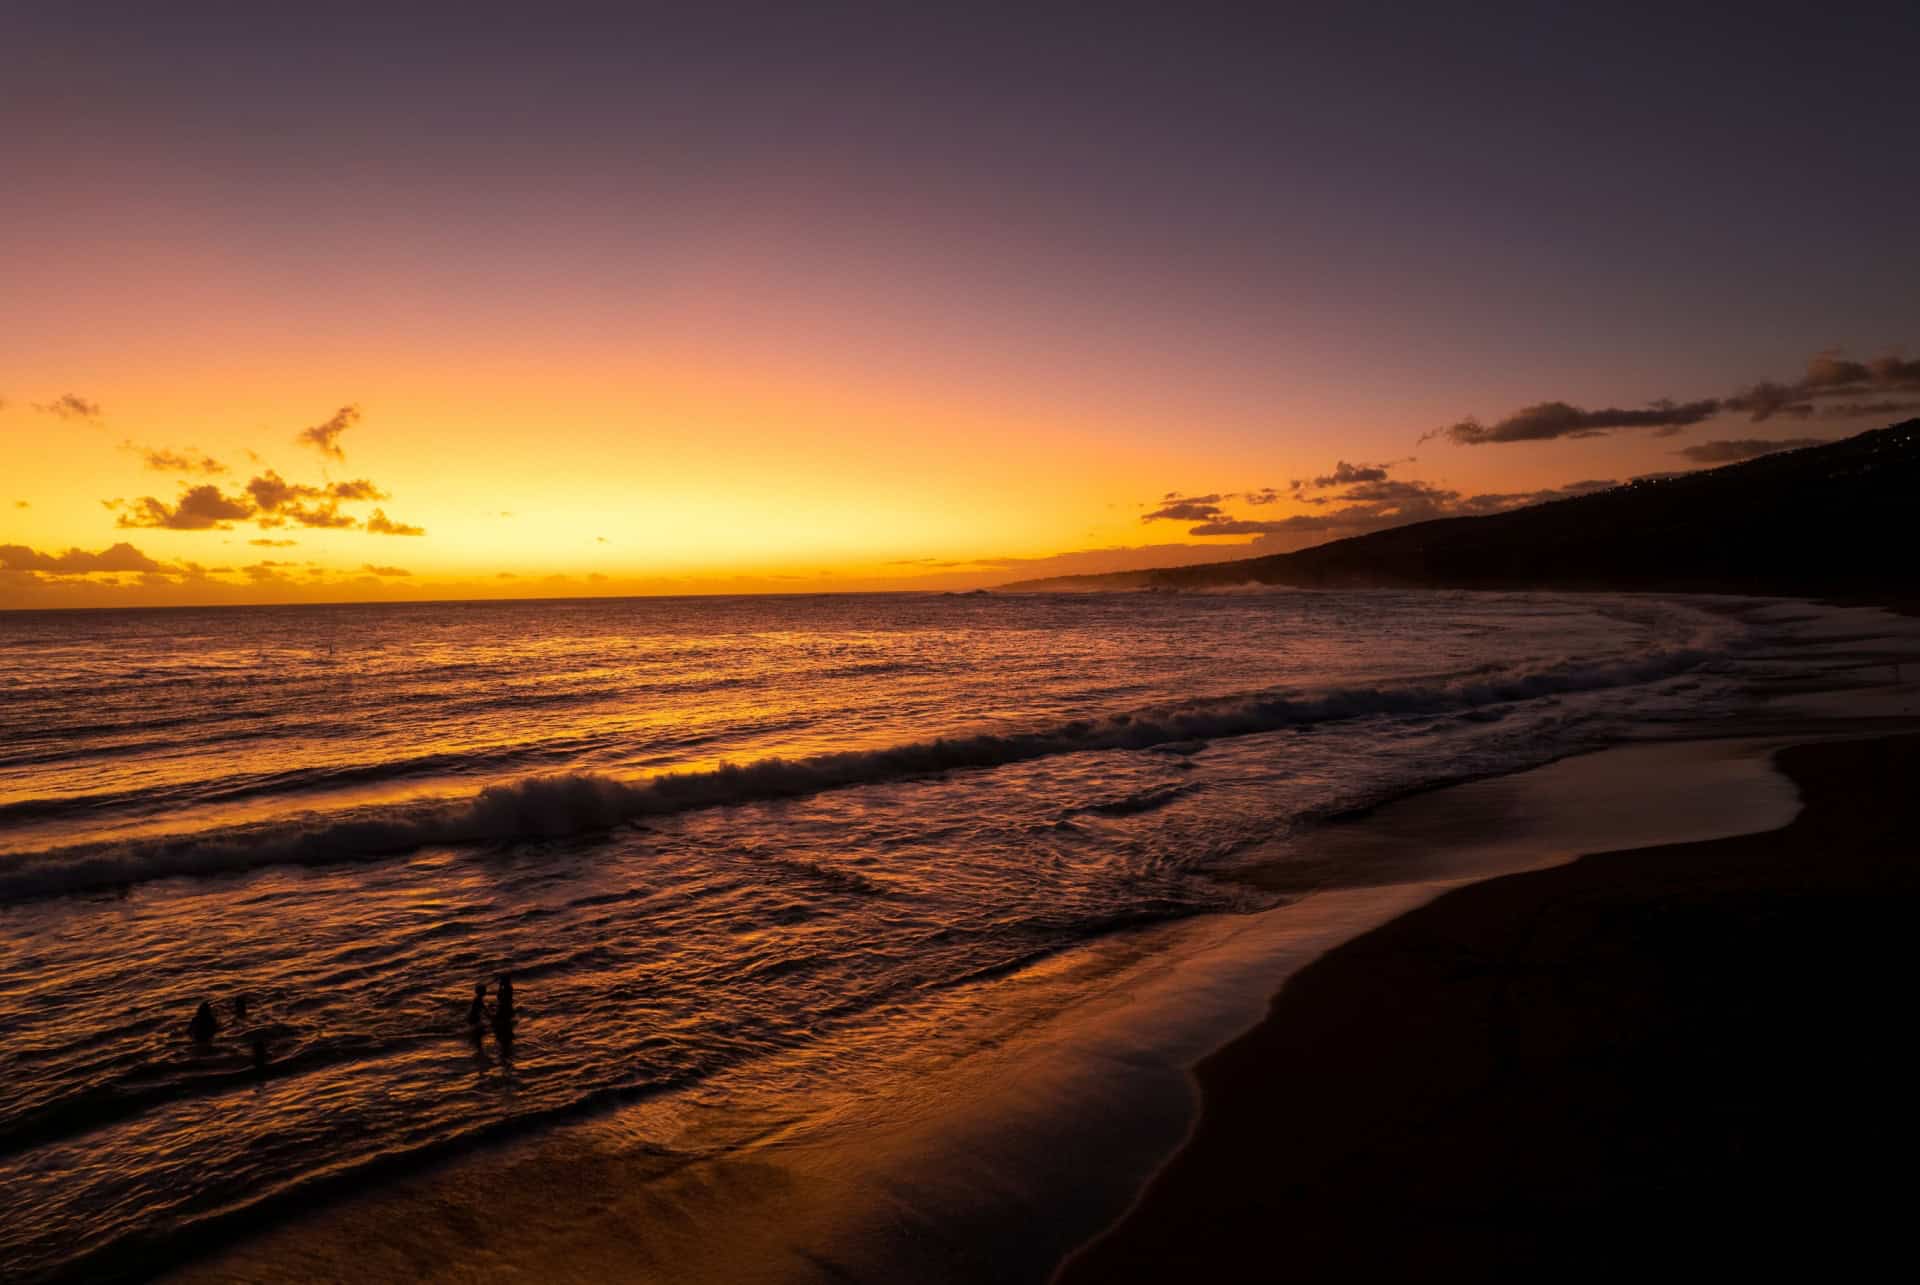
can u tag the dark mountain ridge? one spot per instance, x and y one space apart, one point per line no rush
1825 520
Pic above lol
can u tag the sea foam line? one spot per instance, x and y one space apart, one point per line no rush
561 804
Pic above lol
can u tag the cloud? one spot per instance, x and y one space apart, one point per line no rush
200 508
271 492
114 558
1345 474
1727 450
274 544
271 501
1828 376
381 524
1547 420
385 571
70 406
325 437
21 504
325 516
164 460
1861 410
1197 509
1384 492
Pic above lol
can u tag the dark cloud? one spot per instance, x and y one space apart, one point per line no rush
1176 506
164 460
1728 450
373 569
1829 376
1384 492
381 524
1547 420
115 558
200 508
1189 510
1345 474
1862 410
1249 526
325 437
271 493
70 406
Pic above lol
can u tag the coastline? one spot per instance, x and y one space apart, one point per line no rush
1640 1056
997 1164
1043 1102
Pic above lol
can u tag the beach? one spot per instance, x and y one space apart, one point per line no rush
1680 1056
933 1023
996 1165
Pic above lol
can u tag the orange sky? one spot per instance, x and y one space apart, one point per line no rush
651 470
643 464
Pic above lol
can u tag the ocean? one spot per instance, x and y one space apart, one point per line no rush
731 850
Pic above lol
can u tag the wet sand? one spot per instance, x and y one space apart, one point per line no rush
1685 1057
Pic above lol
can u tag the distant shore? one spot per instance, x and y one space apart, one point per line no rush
1687 1055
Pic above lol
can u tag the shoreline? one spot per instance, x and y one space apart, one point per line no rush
1591 1061
1001 1164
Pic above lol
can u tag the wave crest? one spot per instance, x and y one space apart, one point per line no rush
561 804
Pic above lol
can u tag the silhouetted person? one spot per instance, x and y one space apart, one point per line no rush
477 1011
239 1008
503 1009
204 1023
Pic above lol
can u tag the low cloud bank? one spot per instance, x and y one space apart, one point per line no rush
1834 387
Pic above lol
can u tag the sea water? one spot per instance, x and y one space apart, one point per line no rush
762 842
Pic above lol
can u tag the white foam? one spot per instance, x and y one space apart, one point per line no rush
560 804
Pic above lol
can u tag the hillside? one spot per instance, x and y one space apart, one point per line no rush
1832 519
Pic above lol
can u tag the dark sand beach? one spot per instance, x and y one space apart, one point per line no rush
1689 1056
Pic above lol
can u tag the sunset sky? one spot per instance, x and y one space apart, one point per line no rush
531 299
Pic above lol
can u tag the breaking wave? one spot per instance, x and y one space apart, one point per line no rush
563 804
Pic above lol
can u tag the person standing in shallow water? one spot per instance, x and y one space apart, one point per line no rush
503 1008
504 1005
477 1011
204 1023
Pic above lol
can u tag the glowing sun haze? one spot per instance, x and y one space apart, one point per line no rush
779 297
